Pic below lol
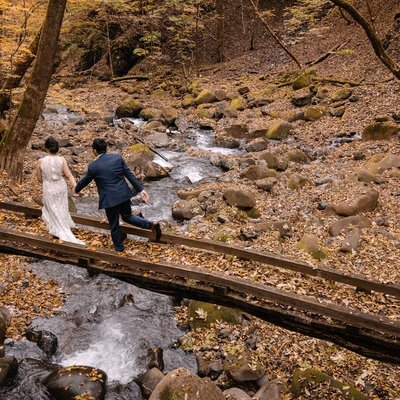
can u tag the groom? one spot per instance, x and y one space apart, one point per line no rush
109 172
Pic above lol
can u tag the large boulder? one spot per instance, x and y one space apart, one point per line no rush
181 384
70 382
351 243
341 94
139 155
314 113
149 113
240 198
238 103
129 108
236 394
237 130
380 131
378 164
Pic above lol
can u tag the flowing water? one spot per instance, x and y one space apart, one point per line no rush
106 323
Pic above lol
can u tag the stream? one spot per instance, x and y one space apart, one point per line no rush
106 323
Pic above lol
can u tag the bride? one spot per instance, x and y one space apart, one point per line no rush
50 171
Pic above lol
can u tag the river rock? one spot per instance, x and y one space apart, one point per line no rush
240 198
314 113
138 155
365 202
348 223
220 94
367 177
238 103
380 131
188 101
8 370
186 209
271 391
205 96
185 194
181 384
279 129
45 340
266 184
310 244
256 172
237 130
378 164
273 162
158 139
149 113
236 394
131 391
242 369
341 94
129 108
351 242
302 99
69 382
169 115
149 380
154 171
153 126
300 82
298 156
156 358
295 181
256 145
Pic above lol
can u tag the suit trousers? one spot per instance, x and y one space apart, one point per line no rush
124 210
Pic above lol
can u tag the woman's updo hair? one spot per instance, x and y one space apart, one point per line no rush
51 144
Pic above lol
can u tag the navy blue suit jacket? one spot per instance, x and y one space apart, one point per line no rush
109 171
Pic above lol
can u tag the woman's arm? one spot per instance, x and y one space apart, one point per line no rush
67 173
39 170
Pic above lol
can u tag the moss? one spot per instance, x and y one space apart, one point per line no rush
140 148
238 103
300 82
222 236
380 131
302 377
253 213
202 315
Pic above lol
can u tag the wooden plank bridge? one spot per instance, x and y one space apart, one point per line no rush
364 333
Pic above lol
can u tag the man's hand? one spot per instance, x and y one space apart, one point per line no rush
145 196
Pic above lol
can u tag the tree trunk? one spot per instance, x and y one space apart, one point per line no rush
18 72
372 37
220 30
16 138
272 33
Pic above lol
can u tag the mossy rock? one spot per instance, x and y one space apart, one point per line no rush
238 103
380 131
253 213
188 101
149 113
204 113
205 96
222 236
309 243
342 94
279 129
129 108
140 149
314 113
300 82
311 375
296 181
202 315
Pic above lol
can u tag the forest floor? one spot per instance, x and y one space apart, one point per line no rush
378 256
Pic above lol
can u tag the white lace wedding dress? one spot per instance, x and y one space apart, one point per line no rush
55 211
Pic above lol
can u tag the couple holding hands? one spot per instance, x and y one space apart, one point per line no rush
108 171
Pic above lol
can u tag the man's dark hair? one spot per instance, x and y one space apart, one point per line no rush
99 145
52 145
